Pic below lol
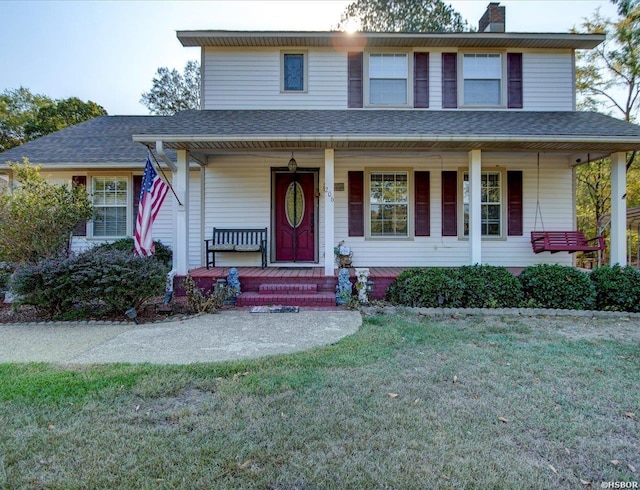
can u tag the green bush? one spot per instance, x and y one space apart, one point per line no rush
49 285
162 253
478 286
488 286
118 278
430 287
557 286
6 270
617 288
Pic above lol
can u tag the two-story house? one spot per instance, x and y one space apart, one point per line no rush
414 149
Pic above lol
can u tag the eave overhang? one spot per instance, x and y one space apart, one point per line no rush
203 143
361 40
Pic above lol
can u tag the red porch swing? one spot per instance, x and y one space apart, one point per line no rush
560 241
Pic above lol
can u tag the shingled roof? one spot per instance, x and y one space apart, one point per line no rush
115 141
103 141
460 129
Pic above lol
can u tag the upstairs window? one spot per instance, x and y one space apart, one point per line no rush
482 74
294 72
388 78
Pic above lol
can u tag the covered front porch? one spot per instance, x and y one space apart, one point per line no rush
442 165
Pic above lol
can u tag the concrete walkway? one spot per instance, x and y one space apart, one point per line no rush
207 338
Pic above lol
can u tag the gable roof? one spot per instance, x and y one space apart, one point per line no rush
360 40
459 129
102 141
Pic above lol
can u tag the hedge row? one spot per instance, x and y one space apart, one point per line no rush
112 280
542 286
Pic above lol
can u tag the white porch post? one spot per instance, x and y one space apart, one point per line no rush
619 209
328 211
475 211
181 215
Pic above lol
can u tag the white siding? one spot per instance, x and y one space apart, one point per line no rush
435 79
238 193
250 79
548 81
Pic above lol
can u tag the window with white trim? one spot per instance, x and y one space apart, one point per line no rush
482 79
491 192
294 72
110 197
388 204
388 78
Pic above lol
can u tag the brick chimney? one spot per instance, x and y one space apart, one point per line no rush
493 19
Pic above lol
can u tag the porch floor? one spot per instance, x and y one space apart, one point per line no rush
251 278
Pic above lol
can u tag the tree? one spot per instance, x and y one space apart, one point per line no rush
60 114
38 217
403 16
25 116
17 108
608 80
172 92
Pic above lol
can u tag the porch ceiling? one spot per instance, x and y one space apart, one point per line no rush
393 129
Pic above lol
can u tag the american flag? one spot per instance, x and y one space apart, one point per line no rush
152 195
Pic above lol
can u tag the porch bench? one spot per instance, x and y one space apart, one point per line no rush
236 240
564 241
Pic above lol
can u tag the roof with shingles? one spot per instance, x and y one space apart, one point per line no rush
455 129
104 140
115 141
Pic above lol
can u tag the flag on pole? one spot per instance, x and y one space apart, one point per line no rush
152 194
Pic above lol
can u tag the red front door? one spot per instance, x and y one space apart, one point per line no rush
295 217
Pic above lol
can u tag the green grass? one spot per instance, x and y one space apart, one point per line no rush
496 403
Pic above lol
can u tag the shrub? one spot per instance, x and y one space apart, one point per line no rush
200 302
118 278
6 270
429 287
487 286
49 285
557 286
162 254
38 217
617 288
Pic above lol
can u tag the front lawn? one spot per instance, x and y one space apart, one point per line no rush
406 402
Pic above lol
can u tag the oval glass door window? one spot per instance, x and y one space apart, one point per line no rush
294 204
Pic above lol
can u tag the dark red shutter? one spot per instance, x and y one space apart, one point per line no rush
422 209
449 80
81 228
450 203
356 203
514 80
421 80
354 69
514 203
137 187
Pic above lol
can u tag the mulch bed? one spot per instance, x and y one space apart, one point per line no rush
149 313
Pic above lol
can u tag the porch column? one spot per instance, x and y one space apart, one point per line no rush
475 210
181 215
328 211
619 209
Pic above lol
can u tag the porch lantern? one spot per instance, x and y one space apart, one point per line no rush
293 165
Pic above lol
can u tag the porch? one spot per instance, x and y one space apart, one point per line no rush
300 286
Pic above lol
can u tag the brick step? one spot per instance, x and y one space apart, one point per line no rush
257 299
290 288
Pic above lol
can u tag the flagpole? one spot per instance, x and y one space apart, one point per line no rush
164 175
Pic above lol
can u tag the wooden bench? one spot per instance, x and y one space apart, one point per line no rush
236 240
564 241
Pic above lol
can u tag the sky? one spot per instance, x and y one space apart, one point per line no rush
109 51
